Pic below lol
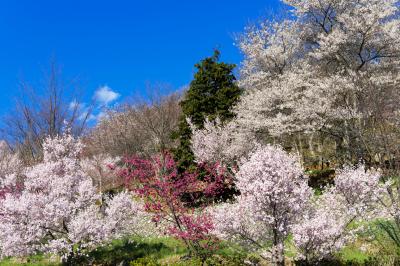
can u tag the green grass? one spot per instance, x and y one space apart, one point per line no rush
168 251
121 250
353 254
134 248
378 248
162 251
36 260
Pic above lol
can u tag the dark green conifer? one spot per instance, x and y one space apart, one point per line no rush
211 94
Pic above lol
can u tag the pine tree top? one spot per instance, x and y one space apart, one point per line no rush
212 92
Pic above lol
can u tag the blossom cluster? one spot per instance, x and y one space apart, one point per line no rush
58 210
274 196
276 202
176 200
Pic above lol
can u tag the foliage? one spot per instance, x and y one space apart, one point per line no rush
168 197
144 262
319 179
212 94
183 153
324 81
322 84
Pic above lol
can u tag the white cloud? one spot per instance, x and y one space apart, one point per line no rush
75 105
101 116
106 95
86 116
81 109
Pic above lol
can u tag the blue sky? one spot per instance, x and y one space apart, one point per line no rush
119 44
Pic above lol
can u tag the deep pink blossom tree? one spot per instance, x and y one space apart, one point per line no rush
170 196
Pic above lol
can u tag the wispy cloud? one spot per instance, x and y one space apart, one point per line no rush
105 95
95 112
75 105
101 115
86 116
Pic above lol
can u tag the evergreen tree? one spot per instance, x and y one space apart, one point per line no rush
211 95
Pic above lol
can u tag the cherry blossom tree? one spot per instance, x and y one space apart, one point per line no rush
276 202
330 69
58 210
331 221
274 196
218 142
347 38
100 168
9 162
10 170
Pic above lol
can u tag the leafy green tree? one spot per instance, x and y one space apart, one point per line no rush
211 94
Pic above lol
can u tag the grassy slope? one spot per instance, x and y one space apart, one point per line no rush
168 251
163 250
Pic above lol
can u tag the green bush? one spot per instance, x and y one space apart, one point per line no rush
318 179
146 261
